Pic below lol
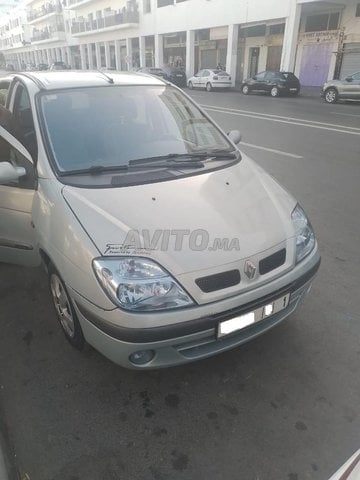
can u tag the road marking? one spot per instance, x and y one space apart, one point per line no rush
272 150
295 119
317 125
346 114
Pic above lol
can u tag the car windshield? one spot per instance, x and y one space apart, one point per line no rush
114 125
288 75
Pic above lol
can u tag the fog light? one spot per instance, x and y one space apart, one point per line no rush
142 357
269 309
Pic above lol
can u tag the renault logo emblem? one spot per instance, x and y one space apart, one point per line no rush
249 269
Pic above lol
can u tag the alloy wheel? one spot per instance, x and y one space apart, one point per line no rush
62 305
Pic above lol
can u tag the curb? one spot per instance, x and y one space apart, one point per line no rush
7 467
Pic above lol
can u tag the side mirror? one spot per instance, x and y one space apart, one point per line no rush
349 79
235 136
9 173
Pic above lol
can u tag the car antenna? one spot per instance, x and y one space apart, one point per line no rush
108 78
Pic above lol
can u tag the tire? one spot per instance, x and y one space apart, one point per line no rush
274 92
190 85
208 87
331 95
64 309
245 90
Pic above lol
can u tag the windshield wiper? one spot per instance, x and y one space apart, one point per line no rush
179 157
176 160
98 169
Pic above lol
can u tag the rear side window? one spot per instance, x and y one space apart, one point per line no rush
289 76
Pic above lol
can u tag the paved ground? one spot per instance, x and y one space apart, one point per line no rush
284 407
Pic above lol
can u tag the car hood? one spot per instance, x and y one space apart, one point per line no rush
241 204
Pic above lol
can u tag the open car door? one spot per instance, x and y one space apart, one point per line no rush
17 189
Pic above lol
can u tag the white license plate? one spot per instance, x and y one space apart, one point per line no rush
238 323
179 76
293 89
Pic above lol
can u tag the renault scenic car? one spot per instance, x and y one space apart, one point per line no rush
163 243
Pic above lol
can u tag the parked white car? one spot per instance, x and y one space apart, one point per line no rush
209 79
162 242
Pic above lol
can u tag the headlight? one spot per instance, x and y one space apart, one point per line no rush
304 234
136 283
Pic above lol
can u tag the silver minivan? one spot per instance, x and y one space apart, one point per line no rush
163 243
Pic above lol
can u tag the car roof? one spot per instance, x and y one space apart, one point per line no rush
52 80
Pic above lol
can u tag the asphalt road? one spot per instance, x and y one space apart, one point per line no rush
283 407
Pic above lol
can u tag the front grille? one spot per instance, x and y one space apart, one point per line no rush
273 261
218 281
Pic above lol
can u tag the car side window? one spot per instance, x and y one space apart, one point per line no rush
260 76
25 121
8 153
4 90
356 76
270 76
206 73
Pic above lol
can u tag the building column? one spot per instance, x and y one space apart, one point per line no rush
48 55
142 52
117 55
82 57
159 51
98 55
232 52
90 56
70 59
291 35
63 55
107 55
129 54
190 53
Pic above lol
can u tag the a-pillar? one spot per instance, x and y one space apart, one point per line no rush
118 54
107 55
232 52
83 57
159 51
291 35
129 53
190 53
98 55
142 48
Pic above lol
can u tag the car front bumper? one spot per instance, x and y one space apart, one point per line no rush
196 339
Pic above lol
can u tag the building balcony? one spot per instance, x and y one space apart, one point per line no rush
57 33
46 11
111 22
73 4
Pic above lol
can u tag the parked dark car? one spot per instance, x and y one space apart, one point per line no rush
158 72
177 76
42 66
59 66
275 83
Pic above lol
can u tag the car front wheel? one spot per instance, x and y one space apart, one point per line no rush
245 90
331 95
208 87
274 92
65 310
191 86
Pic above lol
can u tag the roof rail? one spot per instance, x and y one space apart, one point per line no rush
38 82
